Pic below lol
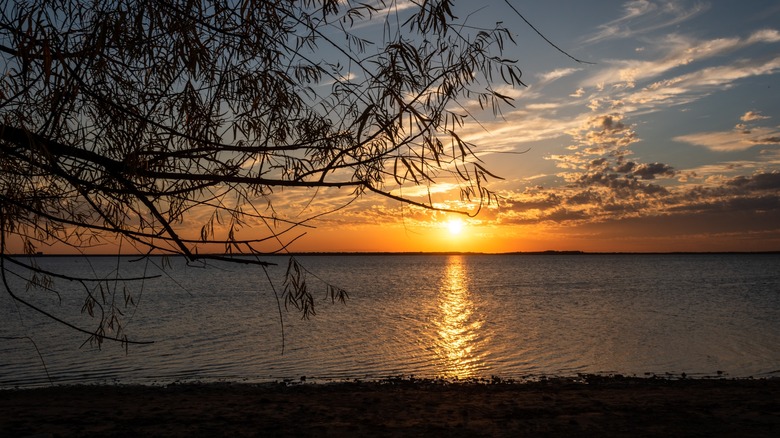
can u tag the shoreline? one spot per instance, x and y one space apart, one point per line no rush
594 406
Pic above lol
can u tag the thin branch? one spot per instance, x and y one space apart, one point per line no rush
538 32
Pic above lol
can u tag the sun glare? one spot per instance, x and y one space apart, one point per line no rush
455 226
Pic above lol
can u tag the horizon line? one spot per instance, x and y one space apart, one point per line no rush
359 253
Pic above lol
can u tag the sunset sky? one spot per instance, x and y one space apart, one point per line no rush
666 139
670 141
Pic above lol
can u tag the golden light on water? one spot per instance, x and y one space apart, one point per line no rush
457 325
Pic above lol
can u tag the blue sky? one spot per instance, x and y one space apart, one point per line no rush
672 134
669 141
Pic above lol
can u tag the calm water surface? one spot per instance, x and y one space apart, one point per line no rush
460 316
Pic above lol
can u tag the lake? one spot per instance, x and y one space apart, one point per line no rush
450 316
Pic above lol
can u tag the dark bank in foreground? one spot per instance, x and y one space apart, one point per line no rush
594 406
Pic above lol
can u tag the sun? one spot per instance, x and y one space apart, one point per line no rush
455 226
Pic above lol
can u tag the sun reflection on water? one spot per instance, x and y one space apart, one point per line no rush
458 325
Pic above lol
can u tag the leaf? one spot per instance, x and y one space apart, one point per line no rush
362 121
47 60
487 172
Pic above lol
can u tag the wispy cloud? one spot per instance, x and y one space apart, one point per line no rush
731 141
644 16
557 74
742 137
607 165
752 115
765 36
678 51
384 13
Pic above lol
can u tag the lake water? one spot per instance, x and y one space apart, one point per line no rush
451 316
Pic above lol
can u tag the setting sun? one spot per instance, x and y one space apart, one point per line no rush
455 226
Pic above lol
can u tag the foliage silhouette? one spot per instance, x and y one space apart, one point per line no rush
124 122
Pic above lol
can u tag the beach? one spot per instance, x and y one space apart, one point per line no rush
593 406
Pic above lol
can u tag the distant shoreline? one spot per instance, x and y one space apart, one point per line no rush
416 253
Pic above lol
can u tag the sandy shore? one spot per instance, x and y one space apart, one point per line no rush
555 407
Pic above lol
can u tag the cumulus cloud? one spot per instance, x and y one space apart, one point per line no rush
602 181
652 170
605 198
621 186
759 181
747 193
605 182
602 133
597 178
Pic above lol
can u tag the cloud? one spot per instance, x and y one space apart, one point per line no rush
620 186
603 198
603 132
383 14
768 140
752 115
732 141
348 77
605 185
686 88
643 16
593 175
536 123
557 74
757 182
423 191
721 76
765 36
602 181
675 52
650 171
542 106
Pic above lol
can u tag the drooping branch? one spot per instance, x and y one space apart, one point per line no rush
131 121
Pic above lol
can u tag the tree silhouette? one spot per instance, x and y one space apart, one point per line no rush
124 120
